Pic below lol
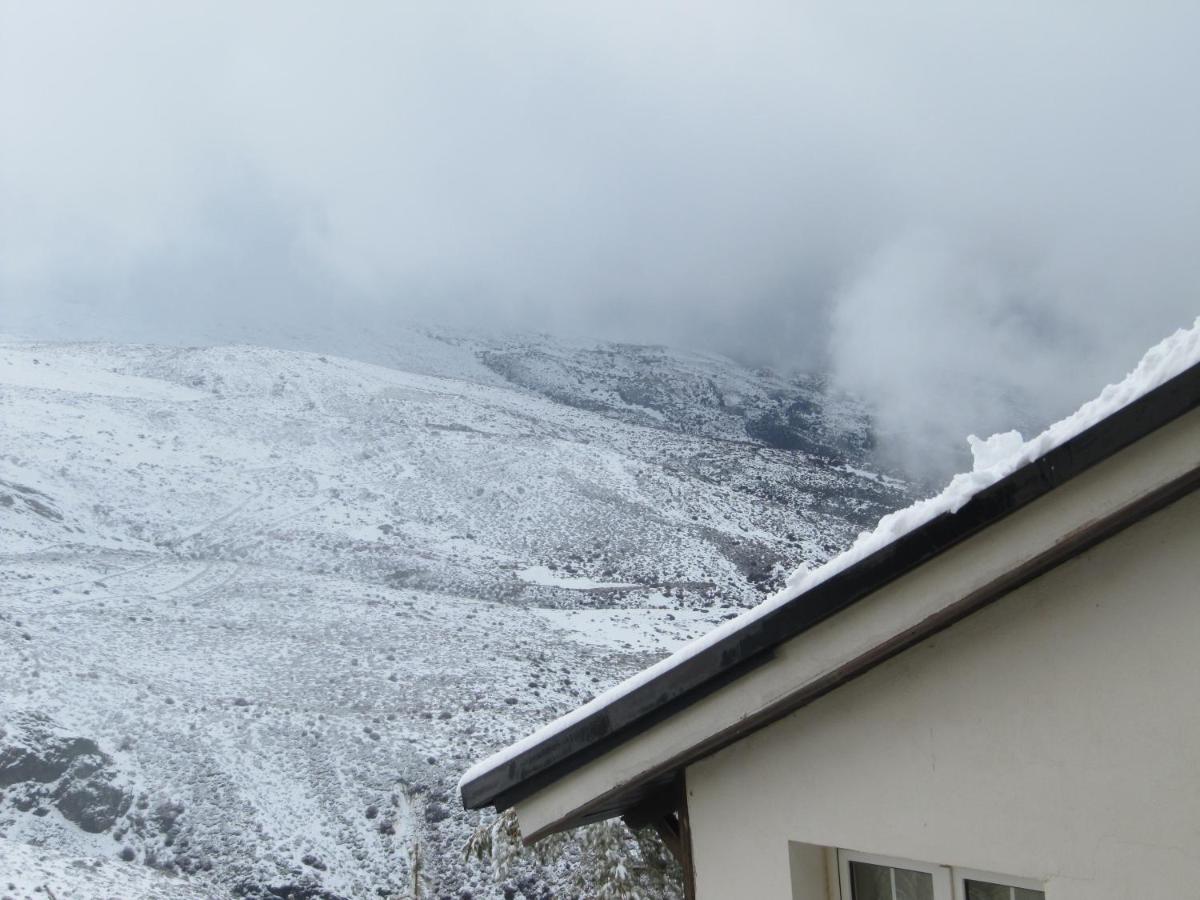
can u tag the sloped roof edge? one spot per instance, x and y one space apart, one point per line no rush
675 688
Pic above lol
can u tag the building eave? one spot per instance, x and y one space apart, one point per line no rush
747 648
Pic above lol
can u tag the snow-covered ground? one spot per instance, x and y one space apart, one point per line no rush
259 608
40 873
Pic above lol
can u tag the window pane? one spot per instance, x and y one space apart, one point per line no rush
870 882
981 890
1024 894
912 885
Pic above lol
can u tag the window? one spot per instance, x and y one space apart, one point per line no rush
971 885
864 876
867 877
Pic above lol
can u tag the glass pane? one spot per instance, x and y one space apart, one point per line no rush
912 885
870 882
1024 894
981 890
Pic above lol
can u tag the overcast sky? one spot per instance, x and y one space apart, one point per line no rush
960 209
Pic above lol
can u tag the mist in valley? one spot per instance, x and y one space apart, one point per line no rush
973 218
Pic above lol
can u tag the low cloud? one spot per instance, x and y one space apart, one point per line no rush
972 215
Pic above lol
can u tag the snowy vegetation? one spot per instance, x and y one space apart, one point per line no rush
605 860
260 608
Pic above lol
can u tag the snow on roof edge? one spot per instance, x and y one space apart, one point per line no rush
994 458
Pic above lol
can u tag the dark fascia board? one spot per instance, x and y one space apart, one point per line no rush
753 644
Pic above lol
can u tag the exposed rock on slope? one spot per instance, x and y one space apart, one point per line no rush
41 768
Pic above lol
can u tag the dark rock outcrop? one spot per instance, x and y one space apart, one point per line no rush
39 766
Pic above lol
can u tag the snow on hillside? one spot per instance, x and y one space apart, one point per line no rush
259 608
38 873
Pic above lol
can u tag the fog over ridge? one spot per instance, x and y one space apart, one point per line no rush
973 215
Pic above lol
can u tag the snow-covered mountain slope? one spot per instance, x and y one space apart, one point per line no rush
259 608
697 393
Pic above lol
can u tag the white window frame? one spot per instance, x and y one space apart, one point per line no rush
962 876
941 874
949 882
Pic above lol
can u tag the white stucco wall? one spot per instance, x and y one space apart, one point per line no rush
1053 735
